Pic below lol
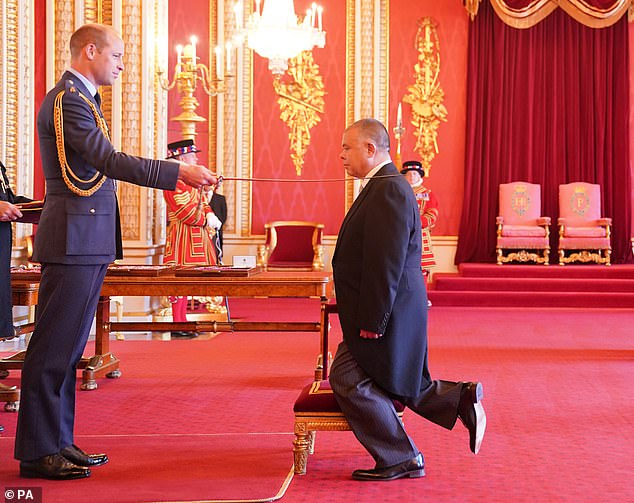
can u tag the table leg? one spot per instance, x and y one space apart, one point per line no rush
103 362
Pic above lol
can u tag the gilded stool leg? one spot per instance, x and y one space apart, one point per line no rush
301 445
311 441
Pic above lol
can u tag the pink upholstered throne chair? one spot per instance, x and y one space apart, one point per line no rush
292 246
522 233
584 235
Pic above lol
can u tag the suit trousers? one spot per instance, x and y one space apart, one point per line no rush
371 413
67 302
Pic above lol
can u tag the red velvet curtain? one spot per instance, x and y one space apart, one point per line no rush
546 105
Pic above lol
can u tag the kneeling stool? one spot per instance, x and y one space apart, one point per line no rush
317 409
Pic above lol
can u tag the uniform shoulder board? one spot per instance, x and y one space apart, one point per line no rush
70 86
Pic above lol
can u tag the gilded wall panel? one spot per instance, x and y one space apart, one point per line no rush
158 120
383 63
213 101
131 80
367 63
351 66
10 88
229 116
239 194
64 27
365 56
25 94
16 98
106 17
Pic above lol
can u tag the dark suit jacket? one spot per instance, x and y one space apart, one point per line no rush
6 314
85 230
380 287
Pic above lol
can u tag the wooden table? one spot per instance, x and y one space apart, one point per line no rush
265 284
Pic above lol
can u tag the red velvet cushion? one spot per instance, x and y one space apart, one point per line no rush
294 244
318 397
286 263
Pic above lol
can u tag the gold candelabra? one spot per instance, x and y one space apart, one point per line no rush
188 72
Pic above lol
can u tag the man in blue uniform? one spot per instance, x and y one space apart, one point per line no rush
382 305
79 234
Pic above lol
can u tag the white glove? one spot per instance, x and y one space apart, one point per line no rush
213 221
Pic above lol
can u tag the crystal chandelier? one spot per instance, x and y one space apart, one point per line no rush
277 34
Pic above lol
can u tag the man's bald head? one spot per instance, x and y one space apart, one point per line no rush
373 130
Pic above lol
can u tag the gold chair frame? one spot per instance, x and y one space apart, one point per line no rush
264 251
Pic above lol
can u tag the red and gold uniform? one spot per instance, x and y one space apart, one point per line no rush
188 236
428 206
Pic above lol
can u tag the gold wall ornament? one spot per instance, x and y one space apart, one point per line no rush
425 95
300 94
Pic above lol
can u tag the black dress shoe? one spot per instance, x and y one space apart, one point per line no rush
184 335
471 413
75 455
54 467
1 428
411 468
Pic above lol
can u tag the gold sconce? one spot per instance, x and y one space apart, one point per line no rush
425 95
188 72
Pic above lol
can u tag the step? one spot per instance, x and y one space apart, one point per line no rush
459 283
532 299
619 271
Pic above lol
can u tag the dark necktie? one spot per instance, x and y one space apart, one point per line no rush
98 99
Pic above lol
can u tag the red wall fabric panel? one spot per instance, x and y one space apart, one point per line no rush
447 173
310 198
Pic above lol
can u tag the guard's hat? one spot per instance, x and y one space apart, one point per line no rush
413 166
181 147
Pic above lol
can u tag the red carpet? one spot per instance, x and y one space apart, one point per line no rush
212 420
490 285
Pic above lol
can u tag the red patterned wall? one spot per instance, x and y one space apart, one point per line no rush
447 173
314 201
